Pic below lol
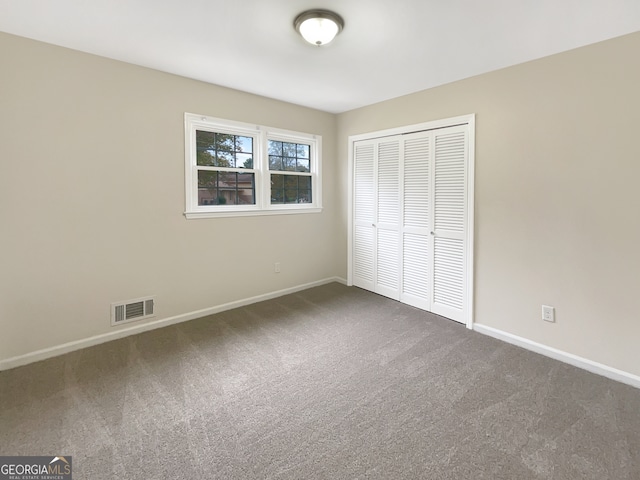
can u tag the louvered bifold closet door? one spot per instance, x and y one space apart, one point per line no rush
364 214
416 228
387 278
449 204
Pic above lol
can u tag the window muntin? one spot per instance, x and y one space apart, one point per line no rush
226 188
234 168
288 156
287 189
222 160
215 149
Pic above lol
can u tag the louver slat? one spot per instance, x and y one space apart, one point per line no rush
416 183
387 265
388 261
416 224
389 183
449 272
415 265
449 223
363 241
364 184
363 253
450 182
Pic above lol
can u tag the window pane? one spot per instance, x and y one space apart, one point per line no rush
303 165
244 160
224 159
304 196
275 163
224 150
290 182
205 139
291 196
205 148
246 189
289 164
207 179
303 151
277 196
275 148
304 183
227 188
277 189
295 156
277 182
208 188
244 144
206 158
290 189
289 149
235 189
224 142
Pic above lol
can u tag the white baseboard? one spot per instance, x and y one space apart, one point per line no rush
585 364
125 332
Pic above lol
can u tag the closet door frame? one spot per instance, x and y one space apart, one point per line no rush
468 120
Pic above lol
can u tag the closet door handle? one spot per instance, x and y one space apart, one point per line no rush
433 233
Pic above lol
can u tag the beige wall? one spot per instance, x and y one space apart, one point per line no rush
556 194
92 198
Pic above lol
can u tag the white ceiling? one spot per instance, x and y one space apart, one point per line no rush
388 48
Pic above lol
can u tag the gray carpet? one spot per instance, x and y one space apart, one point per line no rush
329 383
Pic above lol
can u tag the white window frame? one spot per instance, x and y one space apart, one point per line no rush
261 135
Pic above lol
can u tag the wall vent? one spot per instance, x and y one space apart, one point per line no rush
132 310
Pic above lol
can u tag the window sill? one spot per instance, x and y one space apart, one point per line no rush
252 213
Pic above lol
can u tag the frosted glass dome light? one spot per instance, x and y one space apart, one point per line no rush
318 27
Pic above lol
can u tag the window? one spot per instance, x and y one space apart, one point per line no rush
290 187
234 168
225 169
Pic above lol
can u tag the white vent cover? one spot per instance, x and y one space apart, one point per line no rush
132 310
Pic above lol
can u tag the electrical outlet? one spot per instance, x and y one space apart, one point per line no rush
276 268
548 313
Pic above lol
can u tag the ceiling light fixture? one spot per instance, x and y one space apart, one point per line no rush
318 27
